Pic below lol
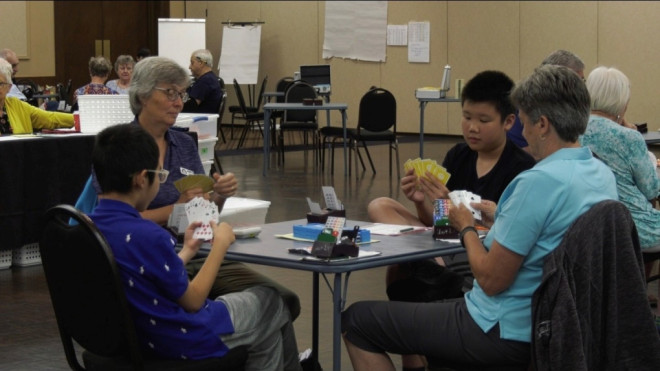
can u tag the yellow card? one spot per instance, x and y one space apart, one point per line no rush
195 180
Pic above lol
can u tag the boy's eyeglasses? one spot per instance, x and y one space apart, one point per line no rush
172 94
162 174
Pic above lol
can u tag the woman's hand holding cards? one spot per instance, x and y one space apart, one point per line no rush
225 186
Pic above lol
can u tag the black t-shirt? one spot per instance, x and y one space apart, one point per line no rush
461 163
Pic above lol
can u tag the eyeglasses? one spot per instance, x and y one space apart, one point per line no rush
4 83
162 174
172 94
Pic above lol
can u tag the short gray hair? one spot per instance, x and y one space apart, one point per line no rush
99 66
122 60
148 73
6 70
557 93
609 89
564 58
204 55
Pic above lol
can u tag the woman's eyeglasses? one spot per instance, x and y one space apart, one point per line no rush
172 94
162 174
4 83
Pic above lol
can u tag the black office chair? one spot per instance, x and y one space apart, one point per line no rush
238 112
304 121
90 304
251 117
221 109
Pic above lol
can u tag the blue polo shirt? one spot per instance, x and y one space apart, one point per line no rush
154 278
531 219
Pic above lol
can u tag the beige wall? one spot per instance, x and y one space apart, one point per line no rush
471 36
41 40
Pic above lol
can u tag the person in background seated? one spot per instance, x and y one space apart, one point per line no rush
124 70
99 70
485 165
143 53
560 58
18 117
173 315
205 93
157 94
12 58
623 150
492 325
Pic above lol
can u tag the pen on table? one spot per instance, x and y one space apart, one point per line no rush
407 229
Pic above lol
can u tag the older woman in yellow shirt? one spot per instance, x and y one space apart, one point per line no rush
18 117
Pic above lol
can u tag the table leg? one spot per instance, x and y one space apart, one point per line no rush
422 105
343 124
336 323
315 318
266 140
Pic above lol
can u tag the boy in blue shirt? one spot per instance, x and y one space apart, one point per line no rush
172 314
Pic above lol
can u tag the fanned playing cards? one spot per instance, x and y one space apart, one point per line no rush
200 210
195 180
422 166
465 197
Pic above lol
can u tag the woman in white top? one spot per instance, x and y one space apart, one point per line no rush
124 69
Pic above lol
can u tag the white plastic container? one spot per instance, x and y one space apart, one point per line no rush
26 256
5 259
206 125
97 112
244 211
207 166
206 148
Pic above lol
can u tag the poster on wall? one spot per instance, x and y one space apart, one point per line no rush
355 30
179 37
239 58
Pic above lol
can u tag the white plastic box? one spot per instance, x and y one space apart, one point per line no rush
5 259
97 112
207 166
206 125
206 148
26 256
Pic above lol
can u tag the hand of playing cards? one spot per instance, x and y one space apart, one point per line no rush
422 166
200 210
465 197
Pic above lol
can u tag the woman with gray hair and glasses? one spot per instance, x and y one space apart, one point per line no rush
492 323
624 151
124 69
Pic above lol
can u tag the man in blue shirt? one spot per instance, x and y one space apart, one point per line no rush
205 93
173 315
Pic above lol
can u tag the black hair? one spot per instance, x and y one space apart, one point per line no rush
144 52
121 151
491 87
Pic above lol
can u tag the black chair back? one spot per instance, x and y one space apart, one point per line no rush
262 89
89 300
85 289
296 93
282 85
377 111
239 96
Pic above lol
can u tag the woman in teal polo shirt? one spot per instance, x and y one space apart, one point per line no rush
491 325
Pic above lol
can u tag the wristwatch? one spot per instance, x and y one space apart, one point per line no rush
464 231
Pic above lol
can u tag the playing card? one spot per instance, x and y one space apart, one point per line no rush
195 180
421 166
465 197
200 210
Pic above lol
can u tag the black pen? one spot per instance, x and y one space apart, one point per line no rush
407 229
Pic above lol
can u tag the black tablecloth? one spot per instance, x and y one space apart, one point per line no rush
36 174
